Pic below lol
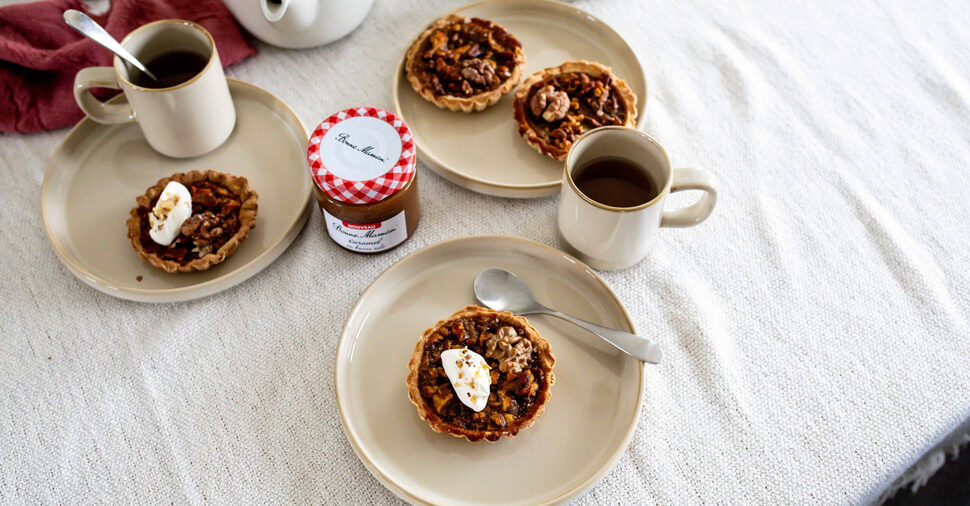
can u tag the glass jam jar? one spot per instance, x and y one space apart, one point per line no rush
363 163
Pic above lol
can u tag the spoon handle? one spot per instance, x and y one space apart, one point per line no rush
84 24
632 344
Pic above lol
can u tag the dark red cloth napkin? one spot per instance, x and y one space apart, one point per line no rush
39 54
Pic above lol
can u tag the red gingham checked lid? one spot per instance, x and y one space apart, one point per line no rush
361 155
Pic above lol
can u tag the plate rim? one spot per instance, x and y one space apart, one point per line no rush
535 190
397 489
184 293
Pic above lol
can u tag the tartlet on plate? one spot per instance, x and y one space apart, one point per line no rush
519 372
464 64
553 107
224 210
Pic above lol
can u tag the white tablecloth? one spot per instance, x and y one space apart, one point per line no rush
815 328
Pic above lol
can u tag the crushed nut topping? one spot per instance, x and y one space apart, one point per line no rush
549 104
165 206
479 72
511 350
203 228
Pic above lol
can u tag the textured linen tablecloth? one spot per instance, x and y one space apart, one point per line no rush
815 328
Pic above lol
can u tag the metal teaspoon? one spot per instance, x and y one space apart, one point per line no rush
502 290
87 26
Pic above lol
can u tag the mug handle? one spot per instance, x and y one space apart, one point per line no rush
694 214
102 112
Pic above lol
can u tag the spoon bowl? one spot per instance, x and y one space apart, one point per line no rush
502 290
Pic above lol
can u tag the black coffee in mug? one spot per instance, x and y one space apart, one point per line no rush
171 69
615 182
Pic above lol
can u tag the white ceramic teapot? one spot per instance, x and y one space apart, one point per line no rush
299 23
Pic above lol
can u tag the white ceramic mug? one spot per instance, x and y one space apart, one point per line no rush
610 238
188 119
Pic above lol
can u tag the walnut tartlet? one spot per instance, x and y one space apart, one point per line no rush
520 374
553 107
224 210
464 64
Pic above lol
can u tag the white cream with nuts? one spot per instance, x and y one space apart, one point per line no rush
468 373
174 206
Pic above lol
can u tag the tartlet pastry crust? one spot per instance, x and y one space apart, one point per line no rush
527 128
236 185
542 358
473 103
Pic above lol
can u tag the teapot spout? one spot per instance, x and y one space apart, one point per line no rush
289 14
273 10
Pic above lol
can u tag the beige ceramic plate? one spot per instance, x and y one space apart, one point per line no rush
588 421
97 172
483 151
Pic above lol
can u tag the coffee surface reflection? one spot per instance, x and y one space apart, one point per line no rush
615 182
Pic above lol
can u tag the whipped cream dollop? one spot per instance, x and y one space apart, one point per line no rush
174 206
468 373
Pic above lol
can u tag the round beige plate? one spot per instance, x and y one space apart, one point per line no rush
483 151
588 421
97 172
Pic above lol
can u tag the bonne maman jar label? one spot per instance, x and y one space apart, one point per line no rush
369 237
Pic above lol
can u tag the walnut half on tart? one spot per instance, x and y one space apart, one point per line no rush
464 64
553 107
481 374
192 221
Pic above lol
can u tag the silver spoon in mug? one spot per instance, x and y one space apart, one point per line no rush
90 29
502 290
